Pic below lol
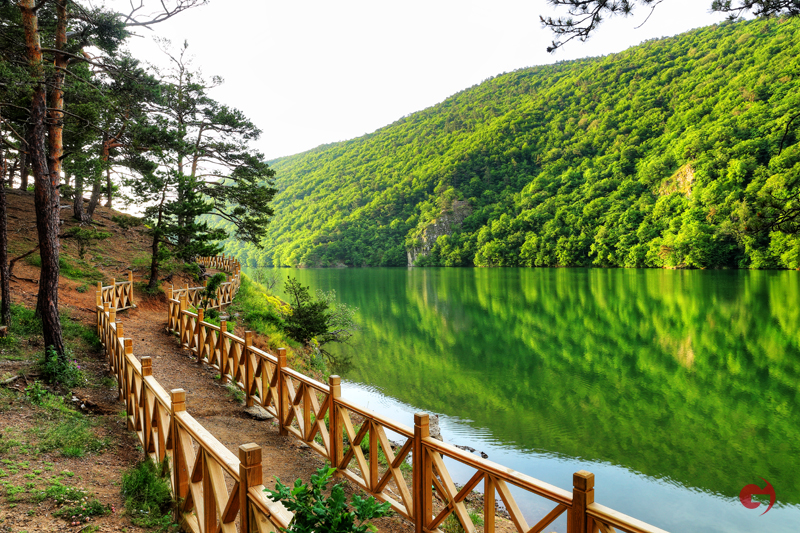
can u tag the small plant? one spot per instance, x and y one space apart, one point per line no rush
147 495
82 288
210 291
126 222
453 525
86 237
83 511
236 393
314 512
60 370
36 393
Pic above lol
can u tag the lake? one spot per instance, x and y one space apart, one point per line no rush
675 388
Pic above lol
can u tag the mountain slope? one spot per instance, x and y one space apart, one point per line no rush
635 159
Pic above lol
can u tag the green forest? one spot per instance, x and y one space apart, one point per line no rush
670 154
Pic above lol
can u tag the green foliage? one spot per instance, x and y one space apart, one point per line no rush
210 290
320 319
646 158
59 370
36 393
452 524
83 511
308 318
85 237
72 437
147 495
256 311
314 511
126 221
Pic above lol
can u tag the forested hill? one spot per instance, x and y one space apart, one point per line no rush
648 157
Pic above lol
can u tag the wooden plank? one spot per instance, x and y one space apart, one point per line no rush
511 506
547 520
488 504
546 490
620 520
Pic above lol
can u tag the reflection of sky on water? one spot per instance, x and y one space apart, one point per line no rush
668 505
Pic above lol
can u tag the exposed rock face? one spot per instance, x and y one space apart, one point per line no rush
681 182
449 221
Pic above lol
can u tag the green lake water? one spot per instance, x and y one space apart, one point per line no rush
676 388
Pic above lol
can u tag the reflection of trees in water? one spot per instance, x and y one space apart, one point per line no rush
673 374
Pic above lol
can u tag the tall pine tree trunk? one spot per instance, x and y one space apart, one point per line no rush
77 202
46 200
5 287
24 167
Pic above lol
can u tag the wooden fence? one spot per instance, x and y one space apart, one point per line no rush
218 491
118 295
316 414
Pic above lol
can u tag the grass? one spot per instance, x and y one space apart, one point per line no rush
72 438
79 269
235 392
452 525
147 495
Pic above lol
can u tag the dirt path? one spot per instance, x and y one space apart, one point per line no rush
212 405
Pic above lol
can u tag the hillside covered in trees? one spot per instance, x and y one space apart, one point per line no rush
665 155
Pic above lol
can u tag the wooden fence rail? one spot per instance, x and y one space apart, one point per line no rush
118 295
316 414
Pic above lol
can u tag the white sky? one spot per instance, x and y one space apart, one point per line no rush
311 72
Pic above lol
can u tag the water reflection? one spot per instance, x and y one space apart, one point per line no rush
687 379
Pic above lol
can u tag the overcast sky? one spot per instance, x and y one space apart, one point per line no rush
311 72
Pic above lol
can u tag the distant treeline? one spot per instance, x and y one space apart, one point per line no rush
669 154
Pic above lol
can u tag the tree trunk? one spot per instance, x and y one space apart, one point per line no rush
46 199
108 184
154 262
24 168
77 202
5 287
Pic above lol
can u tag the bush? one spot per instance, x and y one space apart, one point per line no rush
126 221
314 512
147 495
86 237
60 370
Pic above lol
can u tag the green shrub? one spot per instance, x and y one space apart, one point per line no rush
60 370
147 495
126 221
85 237
314 511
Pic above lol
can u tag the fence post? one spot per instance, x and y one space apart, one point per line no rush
114 354
582 496
421 481
170 309
181 319
196 336
248 369
335 383
130 284
249 476
126 392
147 425
223 351
180 475
113 292
283 396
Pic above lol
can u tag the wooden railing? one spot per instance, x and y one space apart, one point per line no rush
118 295
217 490
316 414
